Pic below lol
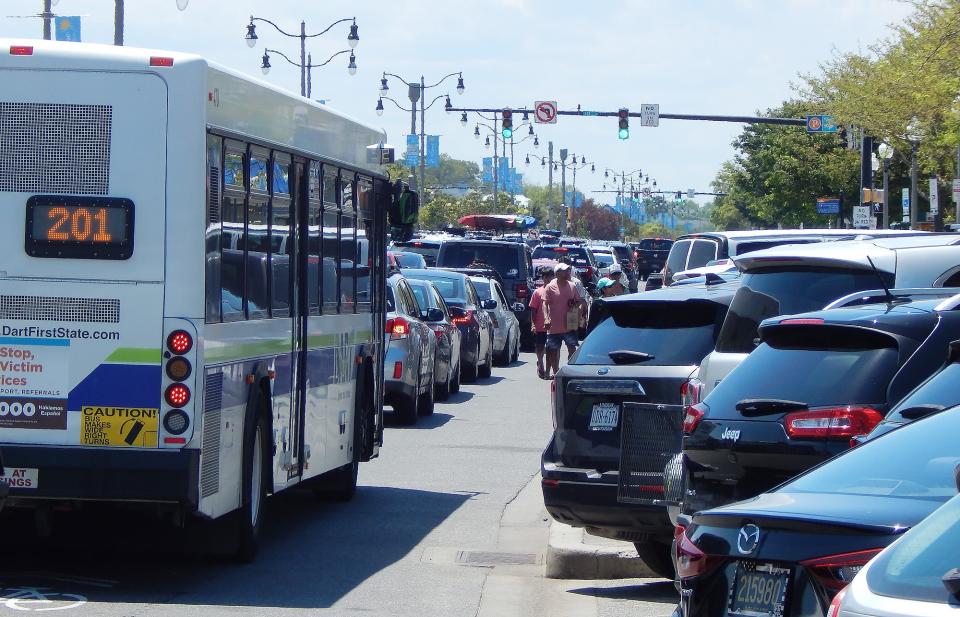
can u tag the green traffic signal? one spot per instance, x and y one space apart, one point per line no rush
507 133
624 134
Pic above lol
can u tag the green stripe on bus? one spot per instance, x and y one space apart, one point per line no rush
138 355
248 350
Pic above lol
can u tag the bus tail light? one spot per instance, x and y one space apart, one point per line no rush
21 50
179 342
176 422
177 395
178 368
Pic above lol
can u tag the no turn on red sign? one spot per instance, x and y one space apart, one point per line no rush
545 112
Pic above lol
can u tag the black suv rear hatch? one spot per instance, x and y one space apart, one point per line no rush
642 354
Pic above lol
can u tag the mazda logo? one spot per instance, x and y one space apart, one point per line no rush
748 538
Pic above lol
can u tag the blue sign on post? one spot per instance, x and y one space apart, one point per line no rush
412 158
827 205
821 124
433 151
67 29
488 169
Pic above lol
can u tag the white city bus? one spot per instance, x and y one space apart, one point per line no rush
192 289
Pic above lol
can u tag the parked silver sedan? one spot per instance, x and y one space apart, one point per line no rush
446 368
506 326
408 377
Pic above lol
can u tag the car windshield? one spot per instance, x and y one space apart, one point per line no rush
577 254
917 461
410 260
655 245
450 288
429 251
424 298
504 259
914 567
786 291
674 333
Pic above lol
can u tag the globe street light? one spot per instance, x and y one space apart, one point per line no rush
463 119
379 107
265 65
352 66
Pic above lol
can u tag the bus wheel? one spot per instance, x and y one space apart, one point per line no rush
256 477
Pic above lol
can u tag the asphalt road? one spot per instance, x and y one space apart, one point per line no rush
447 522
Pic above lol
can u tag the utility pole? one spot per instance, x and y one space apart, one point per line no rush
118 22
423 141
866 169
563 191
886 193
47 16
413 93
550 179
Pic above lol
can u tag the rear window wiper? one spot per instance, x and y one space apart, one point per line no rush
766 406
920 411
626 356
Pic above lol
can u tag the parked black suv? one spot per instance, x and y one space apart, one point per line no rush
816 381
625 385
651 255
513 263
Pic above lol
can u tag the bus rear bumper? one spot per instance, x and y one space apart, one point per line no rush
75 473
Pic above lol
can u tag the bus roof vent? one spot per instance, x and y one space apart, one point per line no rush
57 308
55 148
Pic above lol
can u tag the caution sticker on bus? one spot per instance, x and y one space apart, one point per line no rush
125 427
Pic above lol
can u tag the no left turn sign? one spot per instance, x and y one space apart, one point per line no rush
545 112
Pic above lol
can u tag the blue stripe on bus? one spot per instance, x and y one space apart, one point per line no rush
118 385
52 342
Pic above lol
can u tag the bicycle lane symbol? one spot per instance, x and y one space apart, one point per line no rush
37 599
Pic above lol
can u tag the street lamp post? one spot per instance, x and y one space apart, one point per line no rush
352 39
418 92
913 136
265 65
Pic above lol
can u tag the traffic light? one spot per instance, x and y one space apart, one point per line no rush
624 116
507 116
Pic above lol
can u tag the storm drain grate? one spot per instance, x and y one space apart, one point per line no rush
489 558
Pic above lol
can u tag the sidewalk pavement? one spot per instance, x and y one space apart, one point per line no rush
574 554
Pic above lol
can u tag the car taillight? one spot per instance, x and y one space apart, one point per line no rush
691 392
439 332
834 610
836 571
522 291
693 416
691 561
465 320
588 272
397 328
397 369
831 422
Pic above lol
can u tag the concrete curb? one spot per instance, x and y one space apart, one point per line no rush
568 557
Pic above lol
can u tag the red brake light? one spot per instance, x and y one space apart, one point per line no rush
161 61
179 342
21 50
802 322
418 243
561 249
836 571
439 332
834 610
831 422
693 416
691 561
522 290
177 395
466 320
397 328
397 370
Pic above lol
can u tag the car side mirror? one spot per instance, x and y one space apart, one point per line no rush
518 307
488 304
433 314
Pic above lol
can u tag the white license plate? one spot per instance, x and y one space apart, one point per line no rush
604 417
20 477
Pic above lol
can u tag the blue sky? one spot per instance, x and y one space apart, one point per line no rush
707 57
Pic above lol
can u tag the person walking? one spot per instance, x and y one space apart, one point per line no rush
536 324
563 309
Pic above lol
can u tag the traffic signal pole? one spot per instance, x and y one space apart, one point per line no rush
663 116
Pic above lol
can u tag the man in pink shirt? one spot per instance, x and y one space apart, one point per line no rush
562 310
539 331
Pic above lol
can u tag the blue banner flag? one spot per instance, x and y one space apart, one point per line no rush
413 151
433 151
67 28
488 169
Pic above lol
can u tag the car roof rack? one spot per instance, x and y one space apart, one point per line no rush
874 296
